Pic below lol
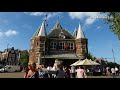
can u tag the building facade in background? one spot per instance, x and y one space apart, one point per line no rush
10 56
59 43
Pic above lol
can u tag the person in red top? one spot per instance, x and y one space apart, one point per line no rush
26 69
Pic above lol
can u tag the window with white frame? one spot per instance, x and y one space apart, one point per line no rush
71 46
61 45
53 45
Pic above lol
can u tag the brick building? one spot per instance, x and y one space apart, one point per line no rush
59 43
10 56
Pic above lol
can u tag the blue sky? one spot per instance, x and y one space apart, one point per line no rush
16 29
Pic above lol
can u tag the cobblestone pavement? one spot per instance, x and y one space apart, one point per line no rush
21 74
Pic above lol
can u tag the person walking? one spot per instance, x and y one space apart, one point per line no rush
116 71
113 72
60 73
81 72
73 72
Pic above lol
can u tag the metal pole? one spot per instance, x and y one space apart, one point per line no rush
114 62
113 55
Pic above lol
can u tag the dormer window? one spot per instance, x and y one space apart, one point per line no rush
61 35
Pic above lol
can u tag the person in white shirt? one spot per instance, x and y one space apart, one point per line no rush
113 72
49 67
81 73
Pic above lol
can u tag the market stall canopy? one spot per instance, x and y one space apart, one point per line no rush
94 63
74 64
85 62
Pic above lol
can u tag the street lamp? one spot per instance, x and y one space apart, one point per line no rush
7 47
7 53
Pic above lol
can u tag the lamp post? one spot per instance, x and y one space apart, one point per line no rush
114 62
7 52
113 55
7 47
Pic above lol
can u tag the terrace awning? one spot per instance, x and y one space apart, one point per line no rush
62 56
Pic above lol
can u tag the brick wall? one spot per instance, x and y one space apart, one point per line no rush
81 48
37 49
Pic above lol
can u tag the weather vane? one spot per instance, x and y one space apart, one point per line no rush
46 19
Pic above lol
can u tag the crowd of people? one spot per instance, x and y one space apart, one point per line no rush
112 71
33 71
59 71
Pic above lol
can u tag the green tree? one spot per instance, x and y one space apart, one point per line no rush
24 62
113 20
24 55
90 56
24 58
111 64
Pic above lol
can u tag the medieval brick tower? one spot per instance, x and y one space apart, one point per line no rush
81 44
38 44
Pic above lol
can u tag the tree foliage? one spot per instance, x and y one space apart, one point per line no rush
24 58
24 62
24 55
113 20
90 56
111 64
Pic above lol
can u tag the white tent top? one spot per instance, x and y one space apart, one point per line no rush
93 62
84 62
74 64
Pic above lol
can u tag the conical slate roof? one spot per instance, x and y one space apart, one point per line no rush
80 33
41 31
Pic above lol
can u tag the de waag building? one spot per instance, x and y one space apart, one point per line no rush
59 43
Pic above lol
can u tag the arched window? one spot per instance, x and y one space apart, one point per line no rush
37 43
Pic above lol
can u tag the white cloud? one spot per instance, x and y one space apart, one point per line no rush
49 15
90 17
89 21
1 33
9 33
36 13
